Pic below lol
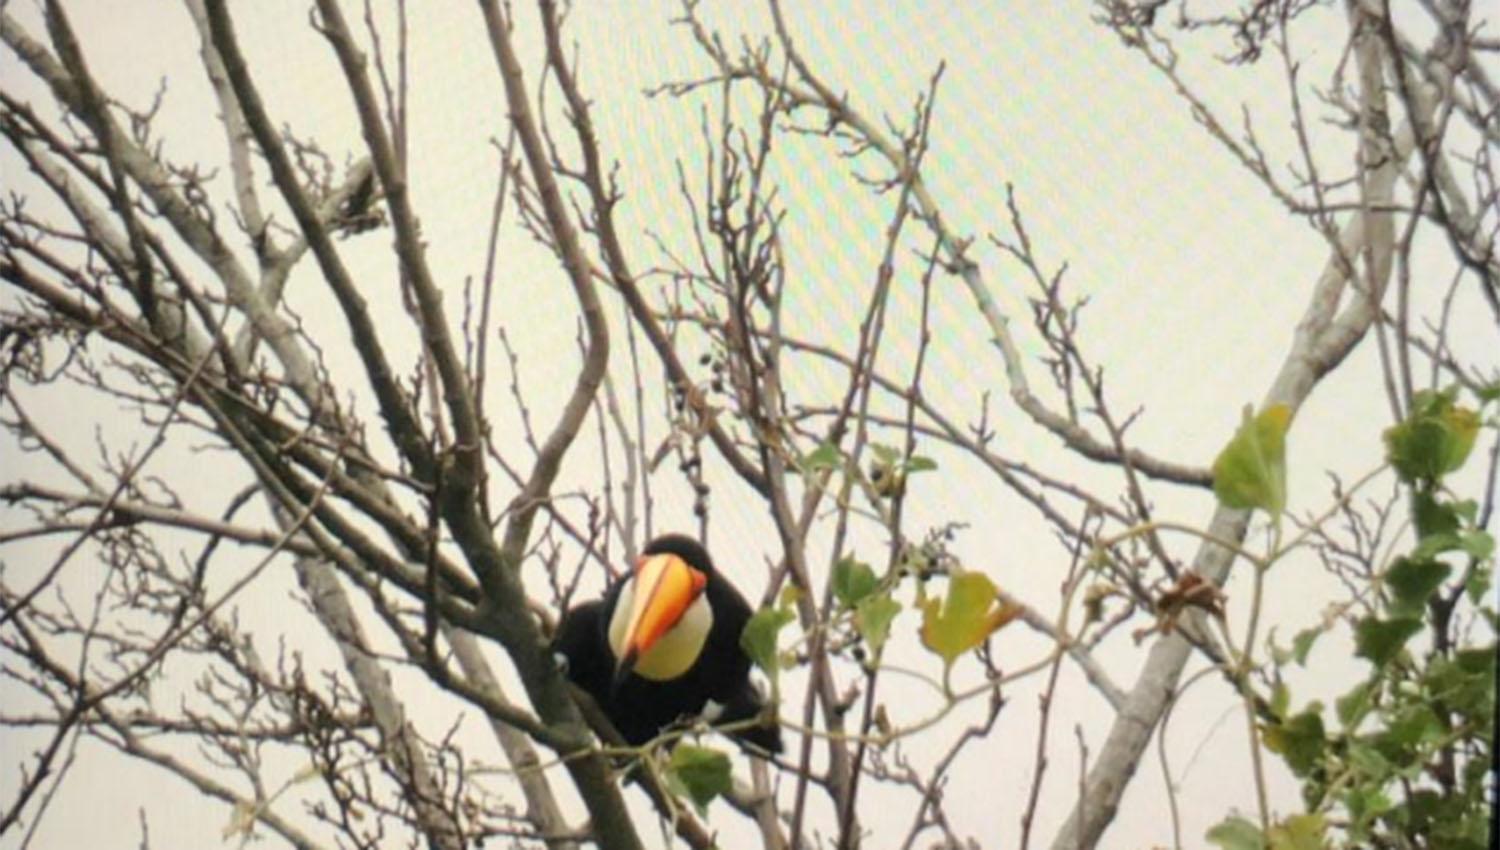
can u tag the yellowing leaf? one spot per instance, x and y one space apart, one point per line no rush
971 611
1299 832
1434 440
1300 739
241 820
790 595
1251 471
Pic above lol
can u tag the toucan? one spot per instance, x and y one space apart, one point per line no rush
663 644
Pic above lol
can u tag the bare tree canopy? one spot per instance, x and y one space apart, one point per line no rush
1097 408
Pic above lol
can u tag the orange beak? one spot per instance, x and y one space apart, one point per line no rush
664 588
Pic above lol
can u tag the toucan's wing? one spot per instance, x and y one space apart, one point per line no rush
581 642
746 703
731 613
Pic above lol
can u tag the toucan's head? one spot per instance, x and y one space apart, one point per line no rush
661 617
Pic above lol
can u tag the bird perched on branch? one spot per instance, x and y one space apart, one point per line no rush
663 644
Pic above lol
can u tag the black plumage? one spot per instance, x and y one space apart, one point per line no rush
641 708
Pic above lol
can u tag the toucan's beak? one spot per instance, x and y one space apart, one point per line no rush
664 588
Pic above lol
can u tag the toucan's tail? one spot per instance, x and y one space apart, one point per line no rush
746 703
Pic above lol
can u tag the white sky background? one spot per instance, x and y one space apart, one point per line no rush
1195 277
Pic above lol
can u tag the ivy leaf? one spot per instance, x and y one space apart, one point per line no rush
1412 725
1299 832
1464 683
873 616
1236 833
1477 661
1251 471
852 581
1467 510
1432 516
1434 440
825 456
919 463
1478 586
1364 757
1380 640
962 621
889 469
790 595
1477 544
1302 644
701 773
1436 544
759 637
1365 804
1412 583
1281 699
1299 739
1352 707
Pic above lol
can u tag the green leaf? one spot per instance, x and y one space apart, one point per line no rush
702 773
852 581
1352 707
1464 683
1380 640
1365 804
825 456
1436 544
918 463
789 596
1355 705
1477 661
1433 516
1251 471
1299 832
1412 583
1302 644
1478 544
873 616
1422 809
1368 760
969 614
1478 586
1236 833
1299 740
1434 440
1281 699
759 637
1412 725
1467 510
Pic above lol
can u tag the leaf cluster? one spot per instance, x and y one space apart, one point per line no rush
1402 761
